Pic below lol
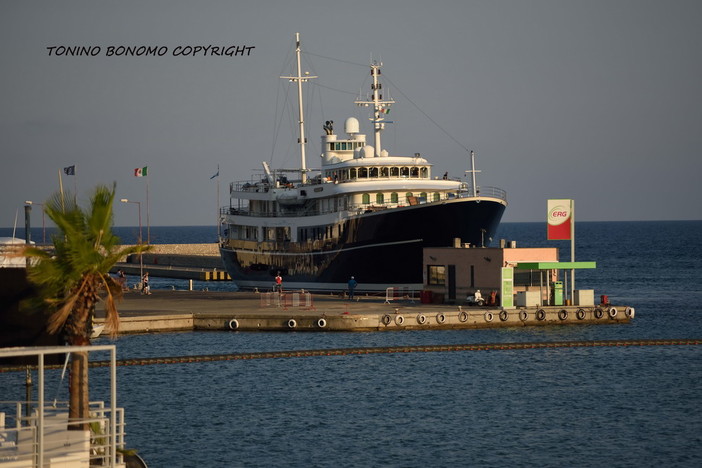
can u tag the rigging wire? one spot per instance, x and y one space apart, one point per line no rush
425 114
461 145
364 65
318 86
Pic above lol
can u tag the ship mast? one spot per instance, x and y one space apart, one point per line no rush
301 116
380 107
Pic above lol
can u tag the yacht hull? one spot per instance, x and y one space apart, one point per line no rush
380 249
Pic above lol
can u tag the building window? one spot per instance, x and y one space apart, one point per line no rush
436 275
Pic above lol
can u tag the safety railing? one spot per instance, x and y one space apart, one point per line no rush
287 299
298 299
402 293
271 299
36 433
466 192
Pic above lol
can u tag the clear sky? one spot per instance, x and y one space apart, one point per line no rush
599 101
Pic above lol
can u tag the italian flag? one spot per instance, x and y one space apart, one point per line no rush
141 171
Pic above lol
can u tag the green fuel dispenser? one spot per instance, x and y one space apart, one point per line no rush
557 298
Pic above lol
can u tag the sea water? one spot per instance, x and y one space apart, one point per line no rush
619 406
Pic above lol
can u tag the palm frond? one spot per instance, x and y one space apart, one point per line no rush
85 250
113 295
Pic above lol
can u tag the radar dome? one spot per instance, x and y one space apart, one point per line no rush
351 126
367 151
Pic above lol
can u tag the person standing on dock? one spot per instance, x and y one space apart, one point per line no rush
145 289
122 279
279 283
352 287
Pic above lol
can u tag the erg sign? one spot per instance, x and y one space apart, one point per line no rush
559 217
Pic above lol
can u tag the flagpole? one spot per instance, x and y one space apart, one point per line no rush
63 207
217 224
148 220
75 188
572 249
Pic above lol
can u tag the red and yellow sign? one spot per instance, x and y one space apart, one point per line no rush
560 216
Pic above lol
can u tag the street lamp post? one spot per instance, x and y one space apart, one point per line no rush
43 219
141 261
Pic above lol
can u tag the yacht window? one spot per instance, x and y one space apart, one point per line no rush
363 173
374 172
394 172
366 199
404 172
415 172
383 172
437 196
379 198
393 197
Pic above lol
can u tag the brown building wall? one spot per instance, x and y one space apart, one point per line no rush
479 268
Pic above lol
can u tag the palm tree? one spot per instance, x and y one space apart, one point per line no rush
75 277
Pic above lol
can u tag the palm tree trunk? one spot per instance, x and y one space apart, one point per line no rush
78 409
79 328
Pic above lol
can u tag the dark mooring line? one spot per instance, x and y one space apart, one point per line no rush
377 350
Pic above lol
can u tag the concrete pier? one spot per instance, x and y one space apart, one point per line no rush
245 311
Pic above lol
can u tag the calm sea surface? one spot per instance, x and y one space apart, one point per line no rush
629 406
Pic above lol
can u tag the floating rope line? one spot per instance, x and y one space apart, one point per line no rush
379 350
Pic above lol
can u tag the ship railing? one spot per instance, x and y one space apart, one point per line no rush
401 293
359 208
249 186
484 191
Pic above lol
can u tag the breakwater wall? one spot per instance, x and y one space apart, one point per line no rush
180 255
184 261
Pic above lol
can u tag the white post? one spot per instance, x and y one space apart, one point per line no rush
40 412
303 163
472 169
572 249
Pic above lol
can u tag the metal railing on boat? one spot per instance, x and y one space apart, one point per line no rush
484 192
